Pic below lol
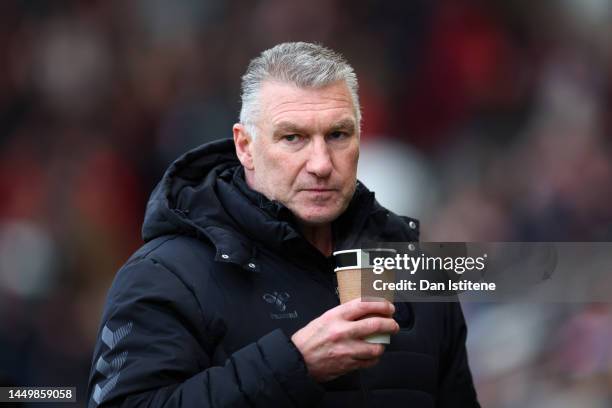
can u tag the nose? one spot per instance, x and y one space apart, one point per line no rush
319 161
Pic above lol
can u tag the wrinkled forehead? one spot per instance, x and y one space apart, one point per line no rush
282 104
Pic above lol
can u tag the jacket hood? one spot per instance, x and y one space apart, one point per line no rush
195 197
203 194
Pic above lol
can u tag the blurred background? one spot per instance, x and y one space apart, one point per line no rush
489 121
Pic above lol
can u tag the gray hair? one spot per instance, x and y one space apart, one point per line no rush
303 64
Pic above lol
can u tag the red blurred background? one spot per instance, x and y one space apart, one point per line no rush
489 121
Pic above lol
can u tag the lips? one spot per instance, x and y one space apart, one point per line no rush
319 190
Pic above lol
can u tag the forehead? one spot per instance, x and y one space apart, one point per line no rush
283 102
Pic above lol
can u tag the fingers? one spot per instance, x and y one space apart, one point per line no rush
367 355
356 309
371 325
354 355
368 363
363 351
332 344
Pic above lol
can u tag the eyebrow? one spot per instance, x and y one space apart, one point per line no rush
288 127
347 125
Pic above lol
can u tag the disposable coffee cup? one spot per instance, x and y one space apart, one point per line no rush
354 268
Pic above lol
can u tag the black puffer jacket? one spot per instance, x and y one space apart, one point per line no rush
202 314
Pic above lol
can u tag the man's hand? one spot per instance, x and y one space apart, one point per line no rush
333 344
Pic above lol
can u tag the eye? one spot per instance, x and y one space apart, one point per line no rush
337 135
291 138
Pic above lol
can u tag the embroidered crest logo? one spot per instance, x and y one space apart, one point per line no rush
279 300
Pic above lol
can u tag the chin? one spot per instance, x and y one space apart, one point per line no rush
315 218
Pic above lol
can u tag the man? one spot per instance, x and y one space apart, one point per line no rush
232 300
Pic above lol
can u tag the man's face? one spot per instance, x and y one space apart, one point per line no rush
306 150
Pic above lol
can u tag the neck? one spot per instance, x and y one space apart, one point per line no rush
320 236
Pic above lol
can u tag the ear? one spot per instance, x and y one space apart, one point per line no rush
244 146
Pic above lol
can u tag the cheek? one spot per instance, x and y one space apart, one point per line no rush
277 174
347 166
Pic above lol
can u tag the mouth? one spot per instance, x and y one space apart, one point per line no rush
319 190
